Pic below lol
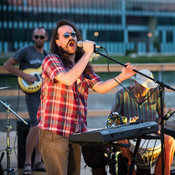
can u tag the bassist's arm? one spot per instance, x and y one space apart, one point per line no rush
9 65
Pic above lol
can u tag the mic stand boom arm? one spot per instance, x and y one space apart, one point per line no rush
9 109
161 89
156 81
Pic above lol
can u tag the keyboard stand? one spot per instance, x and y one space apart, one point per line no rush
134 156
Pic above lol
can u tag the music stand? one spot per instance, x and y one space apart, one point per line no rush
161 92
9 170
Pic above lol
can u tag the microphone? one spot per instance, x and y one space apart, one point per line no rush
80 44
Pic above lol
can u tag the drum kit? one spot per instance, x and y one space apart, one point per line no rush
9 170
150 147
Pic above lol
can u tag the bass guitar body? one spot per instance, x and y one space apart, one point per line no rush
31 88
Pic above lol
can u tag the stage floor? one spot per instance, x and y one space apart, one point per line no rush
14 156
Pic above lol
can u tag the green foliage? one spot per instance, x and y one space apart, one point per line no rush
2 61
128 52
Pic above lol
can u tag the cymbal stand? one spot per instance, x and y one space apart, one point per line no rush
9 170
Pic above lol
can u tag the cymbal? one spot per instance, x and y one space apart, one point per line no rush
5 87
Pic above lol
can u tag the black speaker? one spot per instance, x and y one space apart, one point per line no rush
22 130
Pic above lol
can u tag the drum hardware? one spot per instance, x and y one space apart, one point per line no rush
113 155
112 159
9 170
115 119
149 158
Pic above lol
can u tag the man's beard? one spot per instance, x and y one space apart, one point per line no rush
68 53
39 46
65 53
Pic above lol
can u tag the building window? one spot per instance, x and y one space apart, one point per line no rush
105 35
169 37
160 36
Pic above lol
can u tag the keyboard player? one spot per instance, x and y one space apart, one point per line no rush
142 99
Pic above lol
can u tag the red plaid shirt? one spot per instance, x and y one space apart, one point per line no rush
63 107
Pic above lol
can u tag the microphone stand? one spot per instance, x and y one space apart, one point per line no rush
161 92
9 170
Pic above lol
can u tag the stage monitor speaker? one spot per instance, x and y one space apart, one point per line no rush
22 130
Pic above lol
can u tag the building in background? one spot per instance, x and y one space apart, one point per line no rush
121 26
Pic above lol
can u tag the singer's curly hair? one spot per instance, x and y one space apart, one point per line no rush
54 48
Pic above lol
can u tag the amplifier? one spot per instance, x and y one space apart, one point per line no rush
22 131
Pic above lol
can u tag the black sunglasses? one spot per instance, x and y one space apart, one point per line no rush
39 36
73 34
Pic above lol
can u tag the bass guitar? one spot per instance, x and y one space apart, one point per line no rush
36 86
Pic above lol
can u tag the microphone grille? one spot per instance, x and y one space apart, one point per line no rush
80 43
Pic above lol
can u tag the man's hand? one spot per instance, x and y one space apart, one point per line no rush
29 78
159 131
127 72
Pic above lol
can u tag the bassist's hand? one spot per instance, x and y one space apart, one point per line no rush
29 78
